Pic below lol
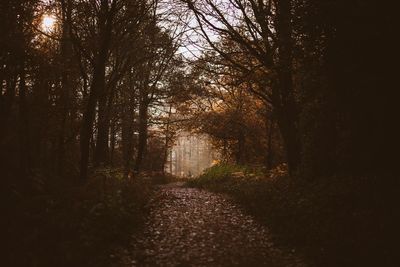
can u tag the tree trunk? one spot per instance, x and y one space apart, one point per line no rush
113 132
66 87
127 134
270 135
7 102
24 149
88 117
167 139
284 99
143 125
103 125
291 140
98 86
106 101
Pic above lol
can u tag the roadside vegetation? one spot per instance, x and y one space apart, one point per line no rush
77 226
335 221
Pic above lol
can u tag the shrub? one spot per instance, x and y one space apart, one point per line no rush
213 176
77 226
333 221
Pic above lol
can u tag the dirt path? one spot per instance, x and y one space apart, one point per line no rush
191 227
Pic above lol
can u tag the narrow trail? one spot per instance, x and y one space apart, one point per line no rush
192 227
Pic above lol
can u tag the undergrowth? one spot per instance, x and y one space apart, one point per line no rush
332 221
77 226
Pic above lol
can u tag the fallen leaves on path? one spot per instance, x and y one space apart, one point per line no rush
192 227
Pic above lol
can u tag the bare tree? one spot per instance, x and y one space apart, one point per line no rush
262 34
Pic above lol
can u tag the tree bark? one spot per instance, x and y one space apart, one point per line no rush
143 133
270 135
103 125
106 100
7 102
24 148
283 92
88 117
167 139
98 85
66 86
127 134
113 132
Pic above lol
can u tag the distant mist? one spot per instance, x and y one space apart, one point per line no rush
190 155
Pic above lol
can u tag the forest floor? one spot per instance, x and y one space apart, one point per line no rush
194 227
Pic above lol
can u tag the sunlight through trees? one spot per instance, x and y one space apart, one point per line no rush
101 99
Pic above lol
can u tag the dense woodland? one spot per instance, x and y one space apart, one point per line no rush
91 88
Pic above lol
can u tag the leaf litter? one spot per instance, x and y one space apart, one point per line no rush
193 227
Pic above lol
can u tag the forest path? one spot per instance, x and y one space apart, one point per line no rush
192 227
